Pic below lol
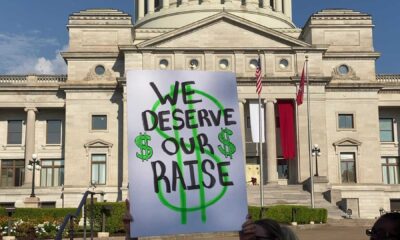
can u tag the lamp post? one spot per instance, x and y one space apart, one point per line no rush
316 151
33 165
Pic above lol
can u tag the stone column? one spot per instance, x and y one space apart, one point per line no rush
141 9
29 141
185 2
150 6
165 4
125 179
271 166
252 3
287 6
278 5
242 101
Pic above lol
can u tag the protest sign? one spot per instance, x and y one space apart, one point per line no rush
186 166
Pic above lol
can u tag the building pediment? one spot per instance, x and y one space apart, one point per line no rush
98 143
347 142
222 30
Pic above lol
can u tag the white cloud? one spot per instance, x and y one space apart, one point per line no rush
43 65
21 54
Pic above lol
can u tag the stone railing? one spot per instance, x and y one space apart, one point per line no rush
13 78
388 78
32 79
51 78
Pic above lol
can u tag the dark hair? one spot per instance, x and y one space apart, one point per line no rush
393 217
271 227
390 223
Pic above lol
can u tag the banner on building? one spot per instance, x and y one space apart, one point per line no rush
186 166
255 121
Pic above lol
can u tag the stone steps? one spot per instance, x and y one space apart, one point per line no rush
351 222
291 195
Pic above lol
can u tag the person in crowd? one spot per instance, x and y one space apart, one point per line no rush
265 229
387 227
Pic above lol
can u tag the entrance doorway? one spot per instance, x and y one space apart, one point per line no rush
283 168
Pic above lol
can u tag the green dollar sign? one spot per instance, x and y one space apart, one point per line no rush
228 149
142 141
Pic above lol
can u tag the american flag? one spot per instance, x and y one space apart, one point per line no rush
258 76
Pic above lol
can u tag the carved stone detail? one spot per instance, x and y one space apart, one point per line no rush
92 76
351 75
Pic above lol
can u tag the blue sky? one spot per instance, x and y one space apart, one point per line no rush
32 32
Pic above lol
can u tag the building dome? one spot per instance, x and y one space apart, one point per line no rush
178 13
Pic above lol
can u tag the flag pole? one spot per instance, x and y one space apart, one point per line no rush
309 138
260 128
261 153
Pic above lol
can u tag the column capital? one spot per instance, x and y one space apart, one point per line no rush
270 100
30 109
242 100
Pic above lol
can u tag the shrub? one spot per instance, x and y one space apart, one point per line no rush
37 215
25 230
283 214
114 222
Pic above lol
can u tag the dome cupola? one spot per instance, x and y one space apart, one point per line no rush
177 13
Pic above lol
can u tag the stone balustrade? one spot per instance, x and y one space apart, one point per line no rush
32 79
388 78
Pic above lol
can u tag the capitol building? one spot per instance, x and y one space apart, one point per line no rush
76 124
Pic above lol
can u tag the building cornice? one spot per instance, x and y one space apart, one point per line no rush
88 86
353 87
134 48
283 81
351 55
29 88
89 55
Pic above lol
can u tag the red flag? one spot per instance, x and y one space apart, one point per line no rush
258 77
300 92
287 129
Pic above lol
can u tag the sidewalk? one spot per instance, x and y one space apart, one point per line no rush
304 232
345 229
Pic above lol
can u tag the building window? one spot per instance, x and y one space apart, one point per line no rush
99 122
346 121
14 132
98 169
53 132
395 205
386 129
390 170
343 69
164 64
253 63
283 63
348 167
52 173
12 173
100 70
194 64
223 64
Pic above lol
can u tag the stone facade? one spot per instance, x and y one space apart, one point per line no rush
219 36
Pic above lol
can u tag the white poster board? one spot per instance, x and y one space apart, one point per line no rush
186 166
